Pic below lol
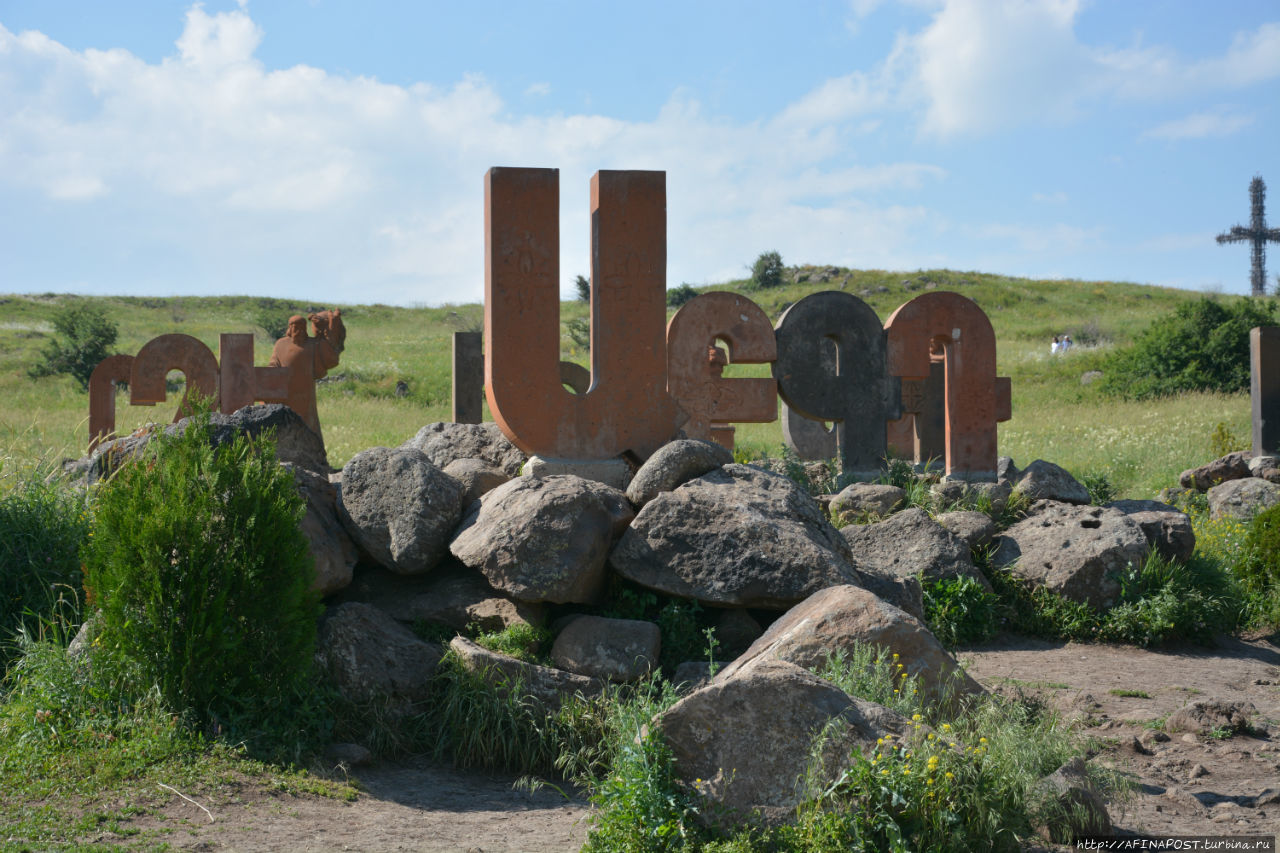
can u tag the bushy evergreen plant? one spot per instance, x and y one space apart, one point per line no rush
86 338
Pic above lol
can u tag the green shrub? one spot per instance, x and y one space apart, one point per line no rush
1223 441
1101 489
42 527
766 272
678 296
274 322
87 337
959 610
203 580
1202 346
582 288
1259 569
521 640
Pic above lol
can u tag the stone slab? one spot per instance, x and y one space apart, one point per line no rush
612 472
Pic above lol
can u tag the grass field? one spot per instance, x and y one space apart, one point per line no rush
1141 446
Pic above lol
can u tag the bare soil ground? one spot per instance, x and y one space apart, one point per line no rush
1188 784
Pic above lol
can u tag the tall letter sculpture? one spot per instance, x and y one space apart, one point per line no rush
627 408
921 433
708 398
1264 388
859 395
975 398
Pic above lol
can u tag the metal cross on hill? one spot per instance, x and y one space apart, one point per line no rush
1257 233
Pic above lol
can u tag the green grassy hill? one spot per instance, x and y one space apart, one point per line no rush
1141 447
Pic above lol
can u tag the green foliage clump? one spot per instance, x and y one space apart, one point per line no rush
1259 569
1201 346
520 640
42 526
959 610
203 581
1223 441
766 272
1101 489
582 288
87 336
678 296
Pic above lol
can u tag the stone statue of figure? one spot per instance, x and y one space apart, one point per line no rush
309 358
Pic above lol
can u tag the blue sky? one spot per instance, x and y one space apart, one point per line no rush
335 151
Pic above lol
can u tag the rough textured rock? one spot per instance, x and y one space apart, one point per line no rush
445 442
1242 499
837 618
399 507
674 464
1168 530
1045 481
1007 470
545 685
370 656
1207 715
1075 551
867 498
736 537
1083 810
692 675
905 593
334 552
543 539
911 544
736 630
962 493
476 477
975 528
744 743
1233 466
611 649
452 595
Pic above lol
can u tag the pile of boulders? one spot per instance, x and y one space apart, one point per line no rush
1238 485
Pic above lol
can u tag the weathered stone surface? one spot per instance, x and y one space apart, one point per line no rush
1043 480
736 630
674 464
1075 551
1082 809
399 507
839 617
468 378
867 498
903 592
1242 499
370 656
738 536
445 442
1259 464
334 553
451 595
1233 466
810 439
543 539
1167 529
476 477
617 650
546 685
691 675
975 528
1007 470
615 473
744 742
959 493
911 544
1206 715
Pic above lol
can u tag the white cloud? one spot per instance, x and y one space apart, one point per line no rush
1219 122
538 89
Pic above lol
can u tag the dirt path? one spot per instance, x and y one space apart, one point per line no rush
1186 785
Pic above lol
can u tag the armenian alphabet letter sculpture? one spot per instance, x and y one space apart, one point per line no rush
627 407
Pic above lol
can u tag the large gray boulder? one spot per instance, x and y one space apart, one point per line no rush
1075 551
1168 529
958 494
1043 480
975 528
1242 499
547 686
842 617
617 650
673 464
445 442
452 596
866 499
1233 466
476 477
334 553
543 539
744 743
1078 807
370 657
736 537
911 544
399 507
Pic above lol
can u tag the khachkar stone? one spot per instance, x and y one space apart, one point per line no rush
855 390
695 364
627 409
1257 233
468 378
1264 353
975 399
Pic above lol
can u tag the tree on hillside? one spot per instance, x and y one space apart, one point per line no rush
766 272
1202 346
86 338
583 286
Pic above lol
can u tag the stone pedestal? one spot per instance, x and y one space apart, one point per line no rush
611 472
